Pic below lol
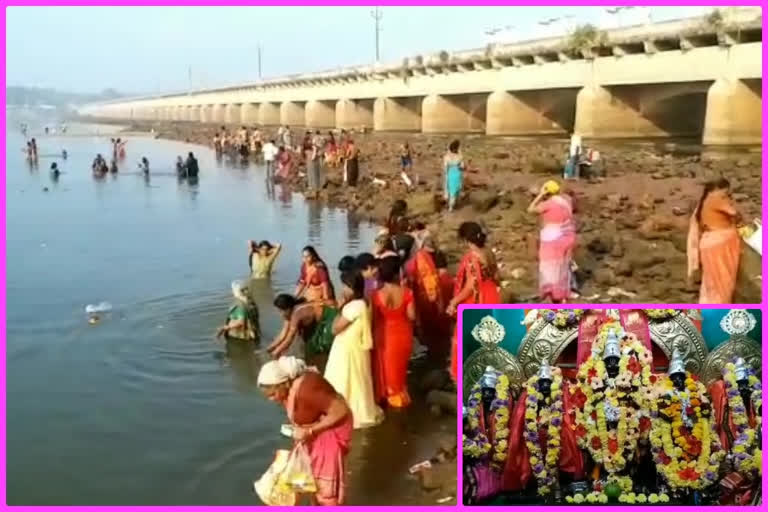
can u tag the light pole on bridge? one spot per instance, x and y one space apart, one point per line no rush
376 14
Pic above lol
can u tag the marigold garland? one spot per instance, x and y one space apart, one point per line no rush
477 443
686 450
661 314
550 415
745 459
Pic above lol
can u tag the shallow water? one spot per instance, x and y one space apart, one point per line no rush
147 407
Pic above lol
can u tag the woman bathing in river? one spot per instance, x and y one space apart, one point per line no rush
321 419
261 258
312 321
243 317
314 283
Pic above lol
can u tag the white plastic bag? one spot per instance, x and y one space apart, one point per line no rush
101 307
297 476
266 486
755 240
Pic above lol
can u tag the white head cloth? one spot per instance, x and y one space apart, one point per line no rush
282 370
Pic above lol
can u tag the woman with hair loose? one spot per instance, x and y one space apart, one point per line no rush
453 167
557 239
393 316
314 283
349 362
261 258
301 318
476 279
714 244
321 420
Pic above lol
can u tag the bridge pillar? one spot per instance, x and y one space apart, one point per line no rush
320 114
232 114
531 112
397 114
461 113
206 113
269 114
193 113
599 113
354 114
292 113
218 114
249 113
734 112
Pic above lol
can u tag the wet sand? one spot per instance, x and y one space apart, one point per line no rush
632 223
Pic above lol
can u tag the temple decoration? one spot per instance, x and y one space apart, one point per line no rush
562 318
490 333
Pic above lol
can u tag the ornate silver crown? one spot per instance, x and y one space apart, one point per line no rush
488 331
738 322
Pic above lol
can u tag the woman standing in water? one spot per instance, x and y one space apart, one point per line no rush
557 239
313 323
261 258
453 165
284 163
320 417
349 362
243 317
714 244
314 283
393 317
477 279
352 164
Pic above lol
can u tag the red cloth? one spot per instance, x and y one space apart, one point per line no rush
589 326
486 292
518 472
719 402
429 301
393 344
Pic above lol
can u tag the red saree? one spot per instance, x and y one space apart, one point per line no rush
392 347
428 300
719 403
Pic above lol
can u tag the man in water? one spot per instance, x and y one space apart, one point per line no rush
191 165
144 165
270 152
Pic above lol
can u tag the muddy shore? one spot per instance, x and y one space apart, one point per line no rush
632 223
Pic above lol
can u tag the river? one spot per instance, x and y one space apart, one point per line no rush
147 407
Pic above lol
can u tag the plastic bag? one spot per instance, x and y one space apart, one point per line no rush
101 307
266 486
754 238
297 476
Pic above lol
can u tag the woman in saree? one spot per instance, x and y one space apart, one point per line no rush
383 246
393 316
349 362
453 167
314 283
714 244
476 279
557 239
352 168
312 323
321 420
243 316
331 151
424 279
261 258
284 163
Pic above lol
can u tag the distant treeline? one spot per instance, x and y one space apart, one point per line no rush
35 96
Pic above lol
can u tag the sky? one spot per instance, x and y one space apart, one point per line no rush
142 50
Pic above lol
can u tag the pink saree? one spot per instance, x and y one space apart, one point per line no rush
557 240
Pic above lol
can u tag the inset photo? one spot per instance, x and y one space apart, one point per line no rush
611 406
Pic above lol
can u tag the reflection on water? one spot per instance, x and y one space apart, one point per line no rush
146 406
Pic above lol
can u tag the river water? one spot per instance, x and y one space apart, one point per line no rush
147 407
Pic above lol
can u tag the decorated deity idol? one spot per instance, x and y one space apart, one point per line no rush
543 446
611 403
738 406
684 443
486 437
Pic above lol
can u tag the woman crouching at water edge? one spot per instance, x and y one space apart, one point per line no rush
714 244
320 417
349 363
477 280
313 321
243 317
557 239
261 258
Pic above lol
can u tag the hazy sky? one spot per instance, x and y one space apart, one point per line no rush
150 49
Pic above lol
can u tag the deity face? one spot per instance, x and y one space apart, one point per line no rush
545 387
612 366
488 395
678 379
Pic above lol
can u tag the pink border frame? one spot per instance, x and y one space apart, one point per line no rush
229 3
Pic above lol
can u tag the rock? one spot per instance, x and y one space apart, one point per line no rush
546 166
658 176
618 249
427 480
740 197
676 210
434 379
500 156
445 400
600 246
624 269
482 201
640 260
605 276
658 200
517 273
742 162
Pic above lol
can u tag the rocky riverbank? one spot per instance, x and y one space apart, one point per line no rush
632 223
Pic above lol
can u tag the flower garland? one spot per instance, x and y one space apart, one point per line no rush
562 317
630 498
686 450
661 314
747 456
624 400
551 416
477 444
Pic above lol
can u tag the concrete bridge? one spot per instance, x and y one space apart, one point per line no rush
697 77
